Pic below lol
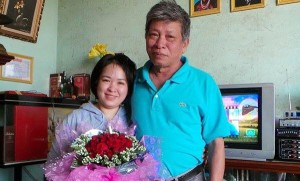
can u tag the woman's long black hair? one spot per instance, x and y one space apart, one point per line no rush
128 66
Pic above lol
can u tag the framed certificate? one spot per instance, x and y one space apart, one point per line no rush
18 70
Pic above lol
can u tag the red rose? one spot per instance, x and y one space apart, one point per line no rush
107 144
102 148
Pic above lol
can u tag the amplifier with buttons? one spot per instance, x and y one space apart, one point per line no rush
288 132
288 143
289 122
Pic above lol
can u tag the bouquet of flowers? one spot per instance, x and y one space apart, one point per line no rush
106 156
107 149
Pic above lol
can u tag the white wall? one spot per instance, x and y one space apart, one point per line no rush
258 45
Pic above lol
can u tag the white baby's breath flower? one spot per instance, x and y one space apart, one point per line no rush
127 155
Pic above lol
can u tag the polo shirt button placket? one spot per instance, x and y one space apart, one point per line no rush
154 102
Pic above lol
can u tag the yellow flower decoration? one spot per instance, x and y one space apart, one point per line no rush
98 50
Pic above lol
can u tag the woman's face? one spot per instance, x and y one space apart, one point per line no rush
112 87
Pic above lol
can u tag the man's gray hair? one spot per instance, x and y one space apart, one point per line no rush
169 10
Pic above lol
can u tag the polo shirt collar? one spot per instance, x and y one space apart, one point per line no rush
179 77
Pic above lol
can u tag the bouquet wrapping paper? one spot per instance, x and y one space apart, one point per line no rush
144 166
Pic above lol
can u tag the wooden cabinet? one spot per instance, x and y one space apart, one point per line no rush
246 170
265 166
27 125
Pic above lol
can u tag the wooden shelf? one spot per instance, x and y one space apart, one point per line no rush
265 166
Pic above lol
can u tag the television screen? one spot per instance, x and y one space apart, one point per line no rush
243 110
250 112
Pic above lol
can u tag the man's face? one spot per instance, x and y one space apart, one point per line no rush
164 43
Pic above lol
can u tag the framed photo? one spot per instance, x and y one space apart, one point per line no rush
241 5
204 7
26 15
18 69
279 2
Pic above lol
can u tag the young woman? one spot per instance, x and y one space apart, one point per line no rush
111 83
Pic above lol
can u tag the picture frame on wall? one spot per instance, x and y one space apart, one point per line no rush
241 5
20 69
280 2
204 7
26 17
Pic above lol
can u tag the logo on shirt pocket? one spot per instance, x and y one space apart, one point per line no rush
182 104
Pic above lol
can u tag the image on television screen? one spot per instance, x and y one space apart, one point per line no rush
242 113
